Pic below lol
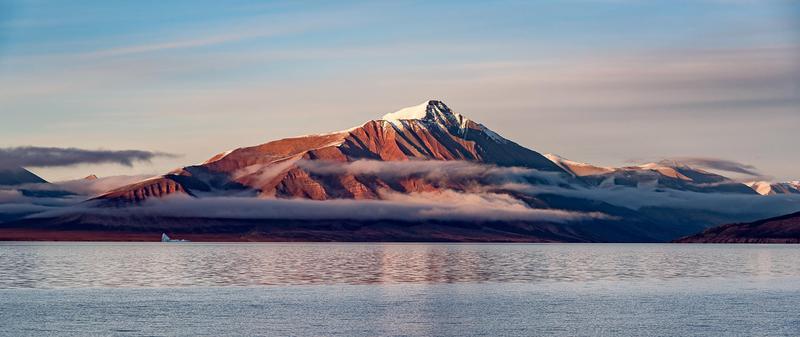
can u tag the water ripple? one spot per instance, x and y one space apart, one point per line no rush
113 265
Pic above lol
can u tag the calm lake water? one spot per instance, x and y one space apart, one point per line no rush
191 289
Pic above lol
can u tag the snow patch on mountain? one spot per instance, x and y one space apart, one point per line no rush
577 168
219 156
419 111
668 171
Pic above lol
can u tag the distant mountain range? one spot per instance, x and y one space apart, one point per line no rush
767 188
424 173
668 174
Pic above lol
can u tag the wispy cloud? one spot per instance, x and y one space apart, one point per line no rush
255 28
716 164
31 156
184 43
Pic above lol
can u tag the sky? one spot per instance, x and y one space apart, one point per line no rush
606 82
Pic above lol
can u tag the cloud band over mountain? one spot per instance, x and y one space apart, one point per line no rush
718 164
433 170
446 206
33 156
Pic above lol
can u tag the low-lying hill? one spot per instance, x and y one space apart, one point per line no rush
782 229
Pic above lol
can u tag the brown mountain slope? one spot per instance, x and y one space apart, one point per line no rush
782 229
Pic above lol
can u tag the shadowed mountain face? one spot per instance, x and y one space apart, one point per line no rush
782 229
10 176
430 131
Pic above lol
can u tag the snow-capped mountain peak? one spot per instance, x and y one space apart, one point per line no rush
436 113
431 110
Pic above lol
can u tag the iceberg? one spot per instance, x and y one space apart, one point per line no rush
166 238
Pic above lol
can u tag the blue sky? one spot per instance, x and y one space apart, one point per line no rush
607 82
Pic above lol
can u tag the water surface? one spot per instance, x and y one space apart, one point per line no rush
124 265
79 289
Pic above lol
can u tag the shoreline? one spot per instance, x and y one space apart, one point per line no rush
49 235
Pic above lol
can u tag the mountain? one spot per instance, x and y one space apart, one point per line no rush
767 188
429 131
662 175
782 229
10 176
423 173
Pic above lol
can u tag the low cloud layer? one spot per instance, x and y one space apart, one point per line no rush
19 201
438 171
32 156
480 204
732 204
35 198
93 187
446 206
434 170
491 193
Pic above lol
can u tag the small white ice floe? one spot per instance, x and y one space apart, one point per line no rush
165 238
